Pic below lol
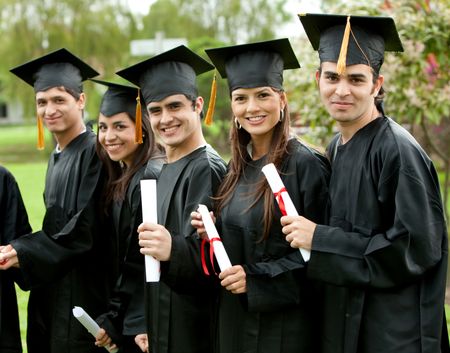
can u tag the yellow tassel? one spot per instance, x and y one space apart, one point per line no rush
138 124
341 63
40 131
212 102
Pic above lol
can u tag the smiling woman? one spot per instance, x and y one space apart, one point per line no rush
116 134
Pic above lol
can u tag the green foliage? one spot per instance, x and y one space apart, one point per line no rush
95 30
417 81
232 21
101 37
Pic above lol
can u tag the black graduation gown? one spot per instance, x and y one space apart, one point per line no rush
68 262
384 256
126 315
13 223
180 323
278 312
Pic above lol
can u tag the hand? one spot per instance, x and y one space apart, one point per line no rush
234 279
142 342
8 257
155 240
102 339
299 231
197 223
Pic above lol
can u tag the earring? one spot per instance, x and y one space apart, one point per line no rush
236 123
281 115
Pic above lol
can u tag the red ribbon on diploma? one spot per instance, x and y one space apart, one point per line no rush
280 200
211 254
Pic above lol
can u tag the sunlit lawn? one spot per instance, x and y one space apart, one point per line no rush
28 165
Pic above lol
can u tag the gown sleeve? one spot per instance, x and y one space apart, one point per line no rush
14 220
46 257
279 282
181 276
409 244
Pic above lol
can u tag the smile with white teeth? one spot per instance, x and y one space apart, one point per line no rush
170 129
113 147
255 118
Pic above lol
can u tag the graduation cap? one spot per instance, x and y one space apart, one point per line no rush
58 68
350 40
122 99
166 74
255 64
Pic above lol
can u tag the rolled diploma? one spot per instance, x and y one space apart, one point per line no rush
276 184
211 231
89 323
149 214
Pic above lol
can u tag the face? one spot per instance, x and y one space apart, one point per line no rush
60 111
116 135
258 109
175 120
349 98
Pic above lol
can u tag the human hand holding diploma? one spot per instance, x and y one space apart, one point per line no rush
284 201
89 324
149 214
214 238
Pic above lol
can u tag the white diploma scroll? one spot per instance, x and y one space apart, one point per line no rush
213 235
278 189
149 214
89 323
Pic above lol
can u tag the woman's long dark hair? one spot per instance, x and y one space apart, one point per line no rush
239 139
118 175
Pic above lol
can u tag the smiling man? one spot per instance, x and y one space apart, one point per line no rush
382 259
63 263
177 323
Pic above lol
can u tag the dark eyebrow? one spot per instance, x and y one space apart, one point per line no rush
120 122
154 108
350 76
174 104
57 98
331 73
359 76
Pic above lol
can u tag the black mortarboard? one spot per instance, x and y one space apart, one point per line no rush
58 68
350 40
118 99
166 74
254 64
122 99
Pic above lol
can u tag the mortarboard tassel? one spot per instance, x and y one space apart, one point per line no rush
138 125
212 102
341 63
40 130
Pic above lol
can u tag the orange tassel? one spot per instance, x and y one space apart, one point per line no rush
138 125
341 63
212 102
40 130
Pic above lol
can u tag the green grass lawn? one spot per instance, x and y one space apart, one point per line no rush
19 155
